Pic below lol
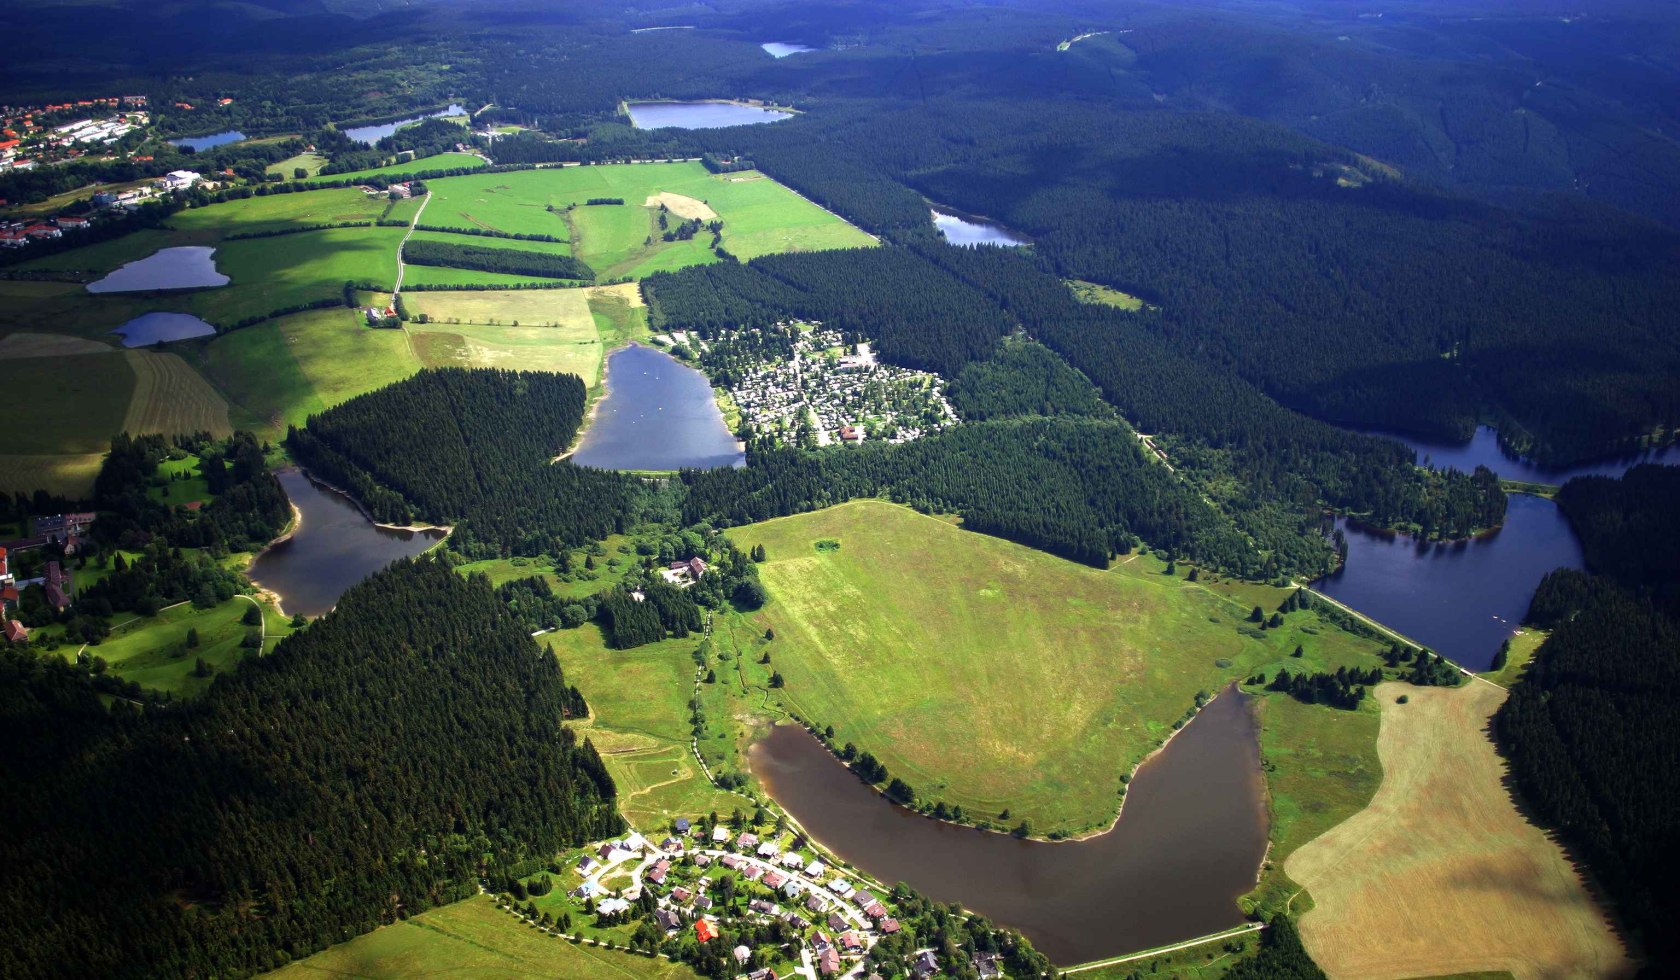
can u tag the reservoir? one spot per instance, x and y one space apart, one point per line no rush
700 115
156 328
201 143
658 414
183 267
333 548
969 232
1459 598
1483 449
1188 843
373 134
776 49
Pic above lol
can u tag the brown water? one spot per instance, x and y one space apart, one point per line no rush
1189 842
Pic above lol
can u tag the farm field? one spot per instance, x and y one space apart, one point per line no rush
1442 866
275 211
473 940
760 216
994 676
485 241
445 277
277 373
311 162
272 273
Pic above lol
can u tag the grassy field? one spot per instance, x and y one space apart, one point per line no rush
271 273
310 162
171 398
437 276
1441 873
473 940
275 211
153 651
64 475
485 241
994 676
70 405
760 216
1524 645
1098 294
278 372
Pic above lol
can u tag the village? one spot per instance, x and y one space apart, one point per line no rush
54 535
43 134
801 384
18 233
761 893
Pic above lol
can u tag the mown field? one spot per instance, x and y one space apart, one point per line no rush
1442 873
474 940
994 676
440 161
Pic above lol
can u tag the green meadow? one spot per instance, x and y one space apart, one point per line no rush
994 676
440 161
155 651
473 940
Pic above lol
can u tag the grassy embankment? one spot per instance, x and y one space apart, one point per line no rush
993 676
1442 865
473 939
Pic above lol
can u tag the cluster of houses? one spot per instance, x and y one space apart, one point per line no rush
18 234
28 138
683 574
66 530
838 397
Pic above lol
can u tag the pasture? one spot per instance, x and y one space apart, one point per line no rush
760 216
277 373
154 652
473 940
994 676
440 161
1441 873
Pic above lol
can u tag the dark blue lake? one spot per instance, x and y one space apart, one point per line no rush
153 328
200 143
658 414
184 267
971 232
1483 449
700 115
373 134
1461 598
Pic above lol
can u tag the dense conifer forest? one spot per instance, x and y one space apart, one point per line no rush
510 261
360 772
474 450
1600 703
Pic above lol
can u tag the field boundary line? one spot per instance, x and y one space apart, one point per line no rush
1241 930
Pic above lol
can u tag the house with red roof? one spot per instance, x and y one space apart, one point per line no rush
15 632
703 929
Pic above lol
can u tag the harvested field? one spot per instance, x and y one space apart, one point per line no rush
171 398
1441 874
69 476
50 345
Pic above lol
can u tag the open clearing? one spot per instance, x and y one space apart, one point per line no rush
994 676
440 161
171 398
473 939
1441 873
153 651
682 207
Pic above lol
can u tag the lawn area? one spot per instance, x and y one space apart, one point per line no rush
274 211
437 276
276 373
485 241
1442 866
440 161
1100 295
181 483
994 676
760 216
473 940
1524 644
153 652
310 162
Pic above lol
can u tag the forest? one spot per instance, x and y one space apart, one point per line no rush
475 451
357 774
510 261
1601 699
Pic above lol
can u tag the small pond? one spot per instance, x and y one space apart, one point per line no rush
700 115
1187 845
973 232
373 134
198 144
1460 598
334 547
182 267
777 49
1483 449
154 328
658 414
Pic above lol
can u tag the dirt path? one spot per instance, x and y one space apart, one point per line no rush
1441 873
401 267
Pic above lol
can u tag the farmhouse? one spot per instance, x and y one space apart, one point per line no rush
15 632
684 573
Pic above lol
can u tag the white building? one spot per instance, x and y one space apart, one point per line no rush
179 180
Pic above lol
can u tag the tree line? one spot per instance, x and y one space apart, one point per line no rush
507 261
